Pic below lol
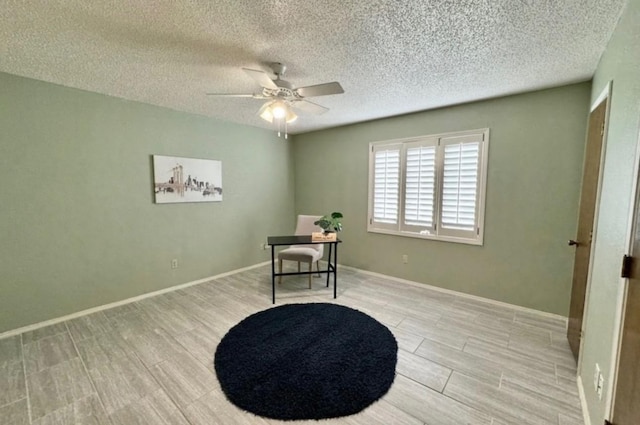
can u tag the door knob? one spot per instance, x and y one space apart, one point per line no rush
572 242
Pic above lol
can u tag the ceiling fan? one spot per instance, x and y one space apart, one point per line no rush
281 95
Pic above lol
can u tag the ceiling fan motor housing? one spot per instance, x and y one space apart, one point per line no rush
283 91
278 68
283 84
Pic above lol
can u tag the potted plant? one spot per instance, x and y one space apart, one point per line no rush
330 223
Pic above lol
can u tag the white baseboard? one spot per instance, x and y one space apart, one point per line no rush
459 294
583 402
50 322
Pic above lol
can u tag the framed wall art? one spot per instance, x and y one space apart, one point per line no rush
178 179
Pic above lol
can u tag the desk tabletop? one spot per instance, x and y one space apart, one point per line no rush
295 240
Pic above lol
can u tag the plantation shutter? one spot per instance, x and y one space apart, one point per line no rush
386 185
419 190
460 185
430 187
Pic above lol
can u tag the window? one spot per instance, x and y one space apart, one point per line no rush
429 187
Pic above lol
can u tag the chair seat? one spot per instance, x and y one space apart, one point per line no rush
301 254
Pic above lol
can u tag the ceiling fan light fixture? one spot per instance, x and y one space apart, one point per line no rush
277 110
265 112
291 116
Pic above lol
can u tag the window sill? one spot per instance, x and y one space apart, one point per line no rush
478 241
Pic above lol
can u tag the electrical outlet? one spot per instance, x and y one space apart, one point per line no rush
596 377
405 259
174 263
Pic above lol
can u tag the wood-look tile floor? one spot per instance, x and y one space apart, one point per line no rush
460 361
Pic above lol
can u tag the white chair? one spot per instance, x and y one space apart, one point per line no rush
303 253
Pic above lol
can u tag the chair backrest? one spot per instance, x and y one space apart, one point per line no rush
305 226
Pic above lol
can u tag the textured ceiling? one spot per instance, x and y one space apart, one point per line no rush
391 56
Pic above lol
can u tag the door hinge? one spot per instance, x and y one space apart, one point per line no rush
602 130
627 262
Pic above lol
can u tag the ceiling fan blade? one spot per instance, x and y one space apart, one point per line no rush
261 78
320 89
313 108
253 96
230 95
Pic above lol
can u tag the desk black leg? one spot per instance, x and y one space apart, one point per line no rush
335 271
329 265
273 274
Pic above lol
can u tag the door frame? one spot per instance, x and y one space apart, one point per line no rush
622 294
604 95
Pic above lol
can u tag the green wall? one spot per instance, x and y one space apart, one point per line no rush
78 225
620 64
534 174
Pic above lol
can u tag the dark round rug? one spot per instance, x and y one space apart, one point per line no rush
306 361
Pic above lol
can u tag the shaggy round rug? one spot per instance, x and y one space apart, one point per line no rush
306 361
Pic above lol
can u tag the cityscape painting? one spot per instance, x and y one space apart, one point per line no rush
179 179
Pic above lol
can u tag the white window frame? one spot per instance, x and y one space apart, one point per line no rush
438 232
